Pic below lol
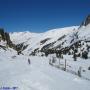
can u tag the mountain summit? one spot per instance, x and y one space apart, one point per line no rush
86 22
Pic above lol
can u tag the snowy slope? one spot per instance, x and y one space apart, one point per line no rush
16 72
84 32
20 37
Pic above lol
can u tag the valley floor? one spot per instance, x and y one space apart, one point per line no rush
39 75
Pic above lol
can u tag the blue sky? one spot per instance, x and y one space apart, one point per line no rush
41 15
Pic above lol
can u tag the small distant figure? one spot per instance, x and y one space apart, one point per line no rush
49 61
75 57
29 61
79 71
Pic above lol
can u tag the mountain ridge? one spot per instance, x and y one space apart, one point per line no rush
52 41
53 34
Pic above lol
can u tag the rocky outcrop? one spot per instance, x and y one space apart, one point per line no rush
86 22
4 36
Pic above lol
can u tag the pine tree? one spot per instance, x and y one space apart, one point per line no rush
2 33
85 55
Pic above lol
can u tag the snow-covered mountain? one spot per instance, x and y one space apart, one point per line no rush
56 39
38 40
65 61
